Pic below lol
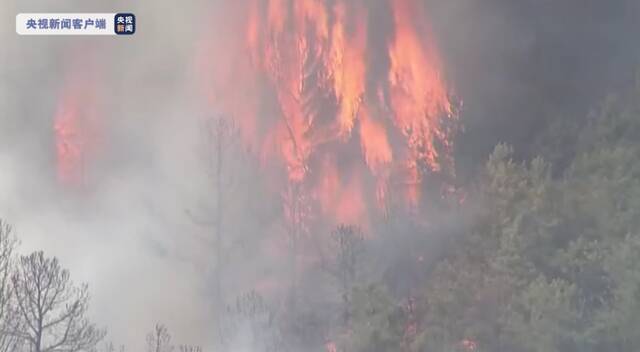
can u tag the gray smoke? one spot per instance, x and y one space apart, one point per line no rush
128 233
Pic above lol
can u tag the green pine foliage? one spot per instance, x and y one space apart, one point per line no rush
549 262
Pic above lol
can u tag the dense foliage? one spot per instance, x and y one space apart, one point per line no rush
550 261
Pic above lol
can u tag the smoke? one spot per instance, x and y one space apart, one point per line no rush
520 65
120 227
124 227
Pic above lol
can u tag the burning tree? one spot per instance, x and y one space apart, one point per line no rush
342 112
339 107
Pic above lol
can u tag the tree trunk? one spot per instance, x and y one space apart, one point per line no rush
218 222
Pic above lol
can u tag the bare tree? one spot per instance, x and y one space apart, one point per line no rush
221 132
52 308
10 322
190 348
159 340
230 167
221 152
110 347
254 322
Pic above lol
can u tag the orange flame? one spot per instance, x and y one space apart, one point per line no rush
305 89
75 128
68 147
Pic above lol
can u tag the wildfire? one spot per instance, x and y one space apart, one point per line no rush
345 112
74 126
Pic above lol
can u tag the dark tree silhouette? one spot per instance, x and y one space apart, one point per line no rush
347 247
52 308
189 348
221 146
10 322
159 340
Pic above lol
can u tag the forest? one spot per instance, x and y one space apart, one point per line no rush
546 259
326 176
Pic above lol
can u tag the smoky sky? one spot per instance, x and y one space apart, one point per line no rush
516 65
